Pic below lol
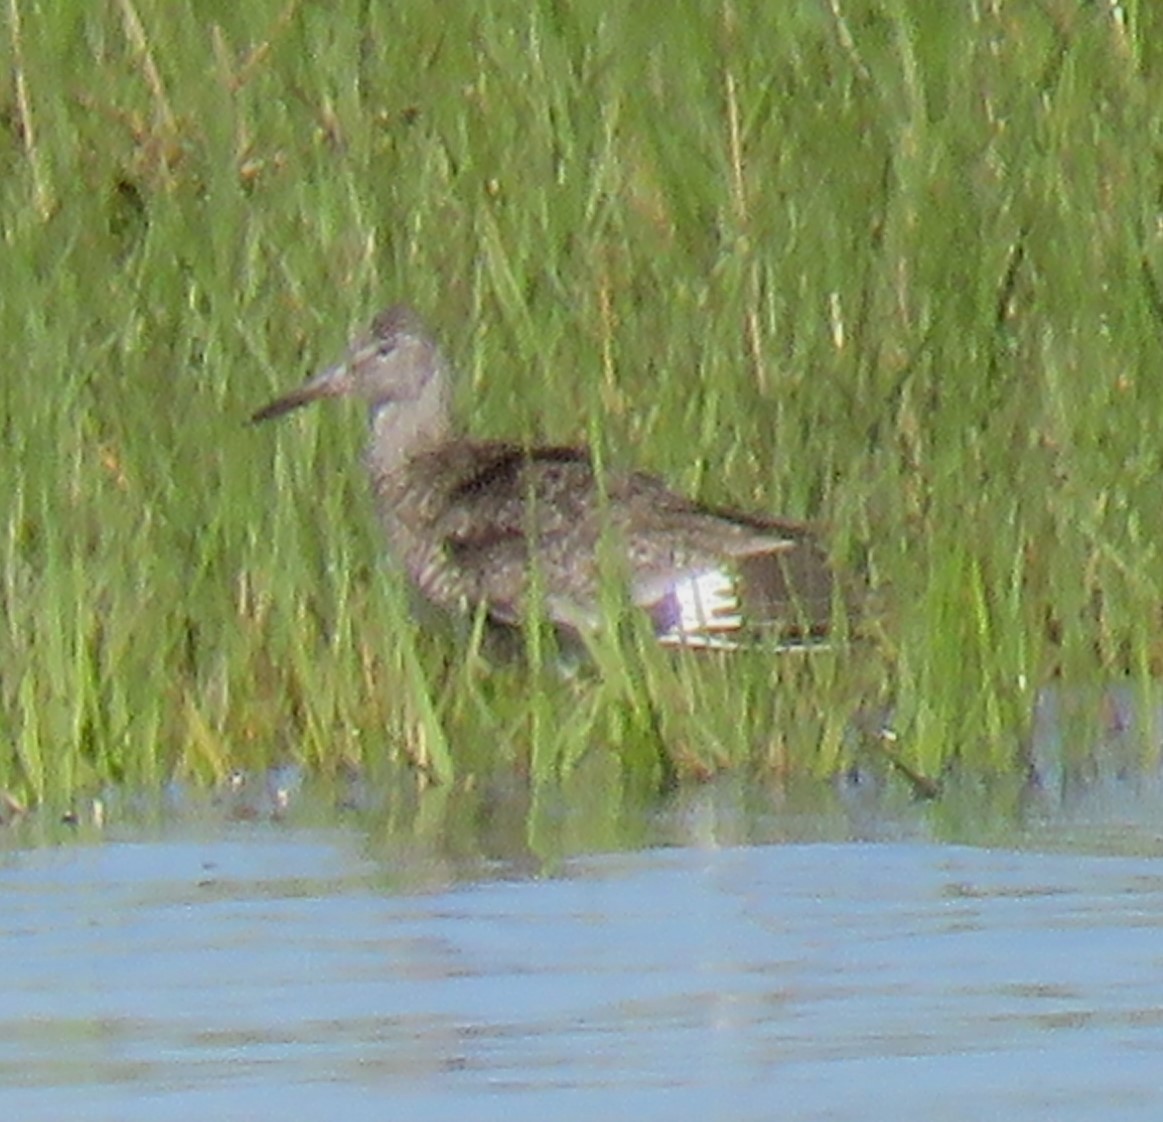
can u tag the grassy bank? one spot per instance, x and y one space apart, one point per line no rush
896 266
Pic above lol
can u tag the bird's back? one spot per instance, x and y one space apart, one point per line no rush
484 523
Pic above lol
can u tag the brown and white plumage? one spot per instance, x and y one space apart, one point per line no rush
471 522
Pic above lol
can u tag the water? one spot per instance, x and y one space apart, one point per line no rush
278 969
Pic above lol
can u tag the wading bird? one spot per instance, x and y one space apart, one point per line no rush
494 526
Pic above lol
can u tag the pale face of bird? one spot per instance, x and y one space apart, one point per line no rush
392 362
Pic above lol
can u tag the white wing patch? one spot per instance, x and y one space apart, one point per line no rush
702 610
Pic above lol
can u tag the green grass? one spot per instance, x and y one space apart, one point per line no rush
897 266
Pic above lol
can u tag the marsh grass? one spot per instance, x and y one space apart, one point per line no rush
896 266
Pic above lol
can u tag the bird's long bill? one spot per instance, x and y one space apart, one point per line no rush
332 382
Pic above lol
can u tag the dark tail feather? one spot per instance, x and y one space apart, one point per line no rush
782 599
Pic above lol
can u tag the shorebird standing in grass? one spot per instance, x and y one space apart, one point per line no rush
494 526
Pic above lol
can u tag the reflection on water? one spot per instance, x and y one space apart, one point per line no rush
276 968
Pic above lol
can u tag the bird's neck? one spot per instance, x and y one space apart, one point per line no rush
401 430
